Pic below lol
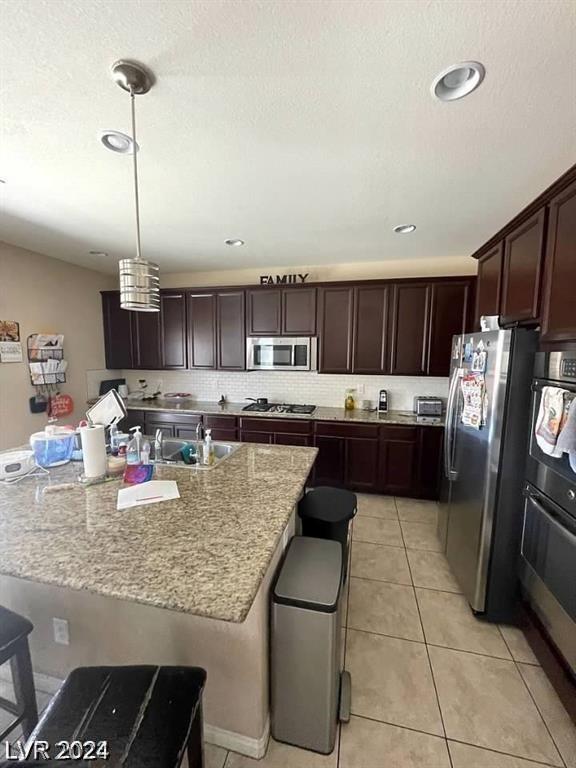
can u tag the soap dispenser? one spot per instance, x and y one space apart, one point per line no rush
208 452
134 446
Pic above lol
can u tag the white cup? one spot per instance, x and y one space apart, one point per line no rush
123 390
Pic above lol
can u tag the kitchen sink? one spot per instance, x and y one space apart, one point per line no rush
182 453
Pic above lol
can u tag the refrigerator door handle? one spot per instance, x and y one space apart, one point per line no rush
448 471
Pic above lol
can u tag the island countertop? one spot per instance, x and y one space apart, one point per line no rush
205 553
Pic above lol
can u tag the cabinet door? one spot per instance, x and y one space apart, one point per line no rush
299 311
231 334
330 463
264 312
430 442
559 316
225 435
398 467
247 436
448 316
281 438
335 315
202 330
409 329
153 424
117 332
488 287
523 256
361 464
173 330
370 330
146 338
184 432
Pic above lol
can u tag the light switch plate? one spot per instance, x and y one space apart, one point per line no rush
61 631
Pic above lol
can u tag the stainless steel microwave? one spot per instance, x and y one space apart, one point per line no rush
281 354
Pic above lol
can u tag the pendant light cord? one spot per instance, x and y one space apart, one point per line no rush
135 161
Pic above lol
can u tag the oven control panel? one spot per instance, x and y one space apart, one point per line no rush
568 368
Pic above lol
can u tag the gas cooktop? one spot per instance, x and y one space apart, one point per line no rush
279 408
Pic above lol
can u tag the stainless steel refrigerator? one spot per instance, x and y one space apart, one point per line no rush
481 510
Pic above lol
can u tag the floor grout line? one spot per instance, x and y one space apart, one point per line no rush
429 660
560 755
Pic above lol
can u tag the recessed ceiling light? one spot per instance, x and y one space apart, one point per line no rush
458 80
234 243
404 229
118 142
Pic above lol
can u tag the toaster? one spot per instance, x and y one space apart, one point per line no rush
428 406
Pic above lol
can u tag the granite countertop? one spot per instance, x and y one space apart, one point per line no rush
205 553
322 413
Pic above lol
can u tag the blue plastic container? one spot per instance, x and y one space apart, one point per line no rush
51 449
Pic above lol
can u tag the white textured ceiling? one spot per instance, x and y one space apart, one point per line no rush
305 127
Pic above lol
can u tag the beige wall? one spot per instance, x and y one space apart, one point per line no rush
52 296
353 271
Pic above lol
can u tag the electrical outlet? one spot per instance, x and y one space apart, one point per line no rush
61 631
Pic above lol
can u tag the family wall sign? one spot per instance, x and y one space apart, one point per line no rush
283 279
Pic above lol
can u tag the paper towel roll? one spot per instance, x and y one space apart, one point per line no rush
94 450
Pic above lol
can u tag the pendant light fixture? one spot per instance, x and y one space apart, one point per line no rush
139 278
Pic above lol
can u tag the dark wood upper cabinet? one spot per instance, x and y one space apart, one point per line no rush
173 330
299 311
449 315
117 332
264 312
281 312
335 320
489 283
523 258
409 328
146 340
202 330
558 313
370 330
231 335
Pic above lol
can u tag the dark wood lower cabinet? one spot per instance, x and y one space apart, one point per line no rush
397 464
248 436
430 446
361 457
331 461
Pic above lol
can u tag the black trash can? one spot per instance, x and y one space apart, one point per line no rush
326 513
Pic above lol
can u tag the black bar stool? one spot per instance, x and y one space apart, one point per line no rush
326 513
14 631
149 717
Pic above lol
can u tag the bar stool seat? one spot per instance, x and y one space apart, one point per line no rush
150 717
14 631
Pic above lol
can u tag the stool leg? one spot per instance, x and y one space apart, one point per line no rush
23 679
196 741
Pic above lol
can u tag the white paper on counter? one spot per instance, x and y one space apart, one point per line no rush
152 492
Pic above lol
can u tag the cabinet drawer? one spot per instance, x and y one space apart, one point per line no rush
409 434
339 429
174 418
293 426
220 422
247 436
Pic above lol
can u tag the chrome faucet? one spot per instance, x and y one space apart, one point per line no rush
158 439
199 441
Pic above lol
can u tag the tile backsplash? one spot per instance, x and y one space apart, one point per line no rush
291 387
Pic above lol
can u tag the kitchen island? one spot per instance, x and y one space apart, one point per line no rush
181 582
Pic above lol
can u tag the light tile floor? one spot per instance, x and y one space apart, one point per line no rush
432 686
